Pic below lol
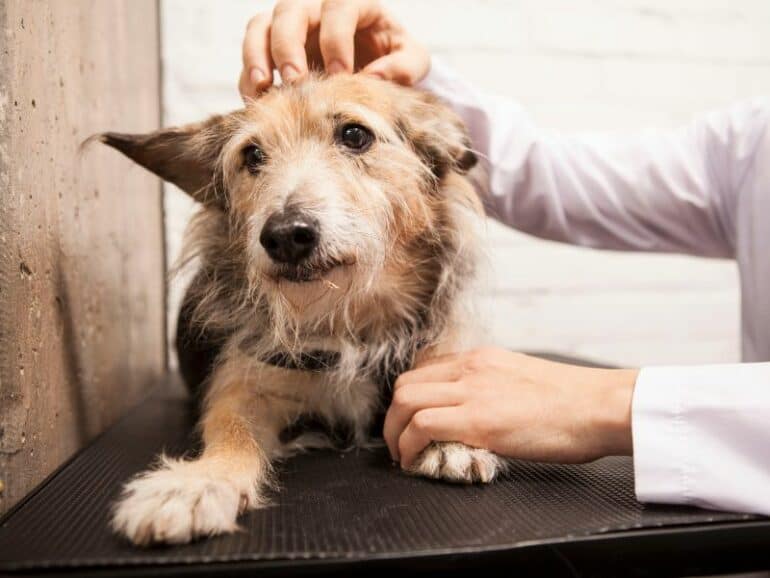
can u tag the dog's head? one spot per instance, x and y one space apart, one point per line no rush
338 194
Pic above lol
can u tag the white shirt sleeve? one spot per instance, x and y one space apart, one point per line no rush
701 435
654 191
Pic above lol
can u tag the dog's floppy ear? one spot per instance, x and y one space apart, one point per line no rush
186 156
438 135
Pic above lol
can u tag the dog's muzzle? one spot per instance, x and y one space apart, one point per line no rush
290 236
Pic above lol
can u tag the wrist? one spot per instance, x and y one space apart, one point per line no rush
612 416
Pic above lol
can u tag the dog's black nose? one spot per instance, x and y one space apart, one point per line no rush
289 237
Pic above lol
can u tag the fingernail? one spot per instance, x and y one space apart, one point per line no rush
289 73
335 67
256 76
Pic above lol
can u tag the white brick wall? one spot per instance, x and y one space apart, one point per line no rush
616 65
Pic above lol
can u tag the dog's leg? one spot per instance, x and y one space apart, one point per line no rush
456 462
184 499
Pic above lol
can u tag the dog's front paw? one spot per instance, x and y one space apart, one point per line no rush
455 462
179 502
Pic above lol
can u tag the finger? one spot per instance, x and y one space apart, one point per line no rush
405 67
340 19
257 73
409 400
288 36
448 370
437 359
442 424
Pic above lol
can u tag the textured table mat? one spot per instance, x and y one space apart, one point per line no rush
331 506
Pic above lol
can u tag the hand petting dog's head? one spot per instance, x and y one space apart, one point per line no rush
340 195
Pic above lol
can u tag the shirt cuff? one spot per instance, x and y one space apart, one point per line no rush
700 436
659 437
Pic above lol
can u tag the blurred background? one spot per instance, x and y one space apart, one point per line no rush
576 65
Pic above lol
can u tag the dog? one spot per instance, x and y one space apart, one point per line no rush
335 248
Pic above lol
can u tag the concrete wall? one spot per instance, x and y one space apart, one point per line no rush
575 65
81 243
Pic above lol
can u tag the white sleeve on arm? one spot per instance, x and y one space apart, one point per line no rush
702 436
654 191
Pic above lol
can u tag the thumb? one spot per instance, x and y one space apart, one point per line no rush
402 67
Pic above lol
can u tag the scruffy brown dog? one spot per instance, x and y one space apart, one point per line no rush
335 242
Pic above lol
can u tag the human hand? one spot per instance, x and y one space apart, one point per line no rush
511 404
337 35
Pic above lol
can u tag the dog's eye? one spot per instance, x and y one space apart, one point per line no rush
356 137
253 157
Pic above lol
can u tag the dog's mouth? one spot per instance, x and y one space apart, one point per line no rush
306 272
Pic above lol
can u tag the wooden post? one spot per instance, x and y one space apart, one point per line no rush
81 235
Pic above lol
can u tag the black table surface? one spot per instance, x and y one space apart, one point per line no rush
353 512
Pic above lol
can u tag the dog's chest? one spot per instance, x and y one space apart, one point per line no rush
346 413
338 389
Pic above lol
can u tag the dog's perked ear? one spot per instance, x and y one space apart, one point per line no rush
438 135
186 156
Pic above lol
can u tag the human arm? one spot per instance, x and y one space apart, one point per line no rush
655 190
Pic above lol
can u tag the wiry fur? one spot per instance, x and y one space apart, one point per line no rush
396 257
